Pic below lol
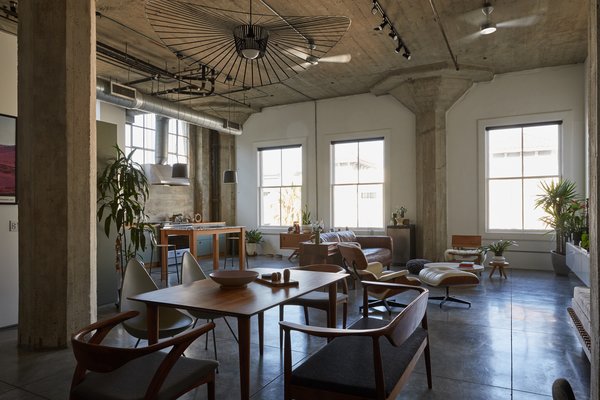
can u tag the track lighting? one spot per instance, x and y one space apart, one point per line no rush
487 28
393 34
382 25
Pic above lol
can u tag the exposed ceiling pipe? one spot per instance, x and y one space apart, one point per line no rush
150 104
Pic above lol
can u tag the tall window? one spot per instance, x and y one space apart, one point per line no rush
178 142
280 191
518 158
357 183
141 137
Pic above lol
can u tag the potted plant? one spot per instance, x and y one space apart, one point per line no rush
253 238
306 221
498 248
555 201
577 221
122 194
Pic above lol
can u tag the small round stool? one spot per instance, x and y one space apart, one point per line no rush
233 241
500 265
416 265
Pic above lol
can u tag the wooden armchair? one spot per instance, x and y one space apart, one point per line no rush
105 372
356 263
465 248
371 360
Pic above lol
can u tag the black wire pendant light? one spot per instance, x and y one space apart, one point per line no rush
253 49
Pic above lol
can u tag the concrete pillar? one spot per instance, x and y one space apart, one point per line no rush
429 98
56 167
594 211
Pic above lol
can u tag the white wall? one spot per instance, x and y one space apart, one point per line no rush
9 267
343 117
526 95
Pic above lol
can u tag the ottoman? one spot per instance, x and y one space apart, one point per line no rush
416 265
447 277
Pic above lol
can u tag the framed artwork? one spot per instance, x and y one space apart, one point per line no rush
8 159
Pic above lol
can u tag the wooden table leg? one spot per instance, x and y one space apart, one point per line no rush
493 270
244 350
242 249
261 331
164 258
332 323
215 252
152 321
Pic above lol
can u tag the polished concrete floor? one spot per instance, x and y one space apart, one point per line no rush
512 343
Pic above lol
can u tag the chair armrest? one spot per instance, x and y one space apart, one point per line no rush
390 285
392 275
384 242
329 332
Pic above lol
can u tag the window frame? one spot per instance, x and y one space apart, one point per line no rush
177 154
144 149
564 147
358 139
278 146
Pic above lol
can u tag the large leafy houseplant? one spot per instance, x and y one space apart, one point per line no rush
555 200
499 247
122 194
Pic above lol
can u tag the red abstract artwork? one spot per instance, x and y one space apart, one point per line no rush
7 170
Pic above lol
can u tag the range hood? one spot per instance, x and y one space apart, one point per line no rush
162 174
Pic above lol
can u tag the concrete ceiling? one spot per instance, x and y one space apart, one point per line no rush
531 34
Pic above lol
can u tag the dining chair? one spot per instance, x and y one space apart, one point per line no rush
163 247
317 299
191 272
116 373
356 263
138 281
372 359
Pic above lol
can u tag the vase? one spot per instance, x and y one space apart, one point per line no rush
395 219
317 237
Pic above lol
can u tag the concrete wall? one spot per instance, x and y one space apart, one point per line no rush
339 118
526 96
9 267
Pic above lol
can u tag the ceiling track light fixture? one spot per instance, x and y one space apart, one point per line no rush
488 27
394 35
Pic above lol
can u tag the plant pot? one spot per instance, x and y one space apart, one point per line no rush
499 258
559 264
306 228
251 249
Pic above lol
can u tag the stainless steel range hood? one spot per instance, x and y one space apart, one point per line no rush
161 174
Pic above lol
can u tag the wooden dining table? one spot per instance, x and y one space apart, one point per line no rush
241 303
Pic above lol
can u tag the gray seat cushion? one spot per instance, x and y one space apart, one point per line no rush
131 380
416 265
345 365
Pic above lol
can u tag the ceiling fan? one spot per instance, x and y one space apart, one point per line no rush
253 49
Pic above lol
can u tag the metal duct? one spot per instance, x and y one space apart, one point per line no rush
166 108
161 138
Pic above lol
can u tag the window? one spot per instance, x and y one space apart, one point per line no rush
178 142
280 191
141 137
357 183
518 158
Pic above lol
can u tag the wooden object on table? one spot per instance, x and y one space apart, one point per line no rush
280 283
207 296
204 228
500 265
291 241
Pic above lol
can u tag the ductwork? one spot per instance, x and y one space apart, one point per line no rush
162 174
130 98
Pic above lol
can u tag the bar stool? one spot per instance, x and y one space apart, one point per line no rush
166 246
232 240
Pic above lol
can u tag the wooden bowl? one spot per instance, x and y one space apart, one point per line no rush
233 279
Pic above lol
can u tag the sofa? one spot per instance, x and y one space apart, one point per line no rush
376 248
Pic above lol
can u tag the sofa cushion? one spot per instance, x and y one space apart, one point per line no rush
346 236
377 255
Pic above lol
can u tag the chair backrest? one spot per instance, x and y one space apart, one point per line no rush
332 268
466 241
405 323
136 281
190 269
353 257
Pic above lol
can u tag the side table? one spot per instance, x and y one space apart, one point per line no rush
500 265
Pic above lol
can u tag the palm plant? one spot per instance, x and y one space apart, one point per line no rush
555 202
499 247
122 194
